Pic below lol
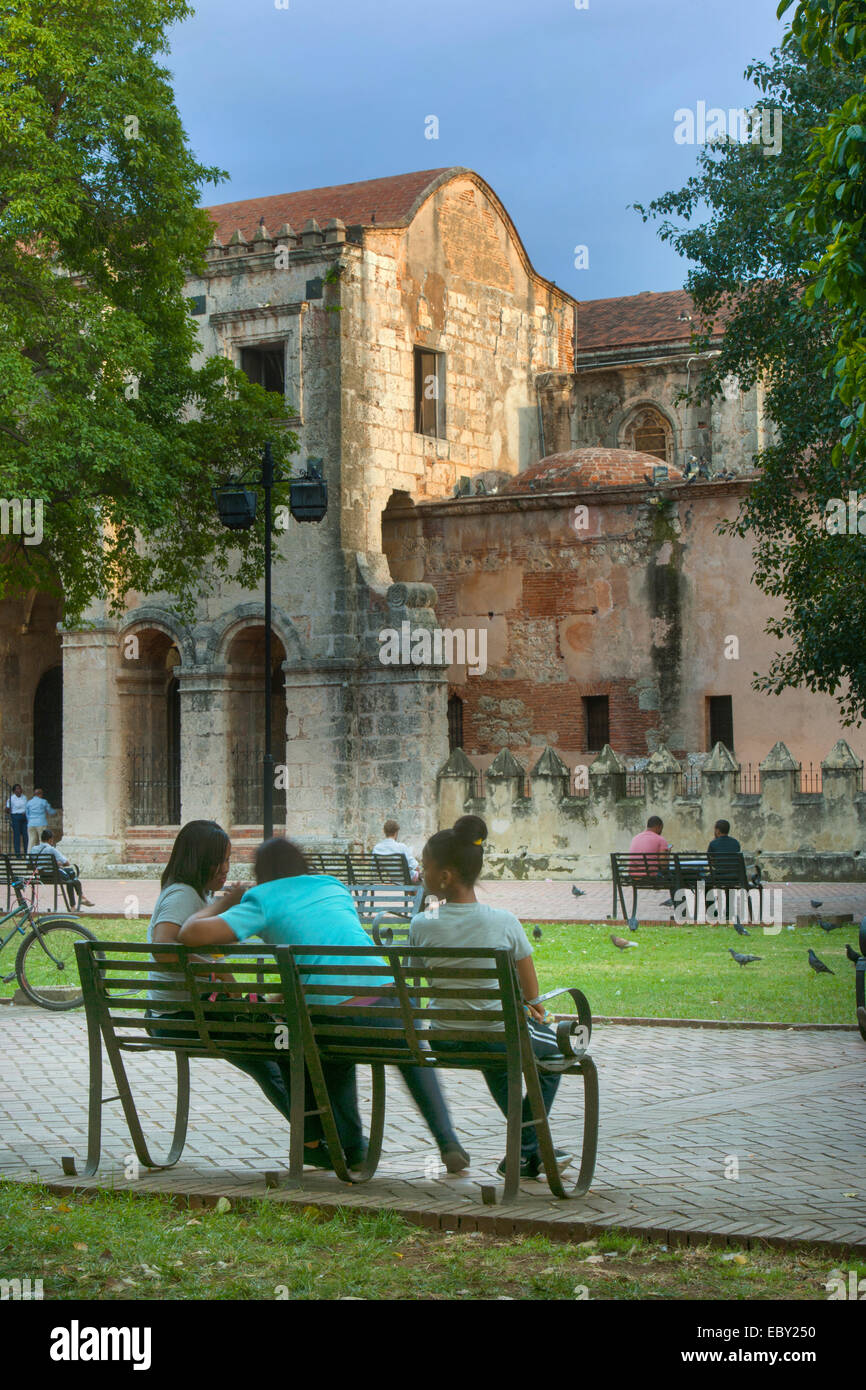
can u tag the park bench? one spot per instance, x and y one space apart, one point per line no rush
382 906
114 982
350 867
723 874
18 867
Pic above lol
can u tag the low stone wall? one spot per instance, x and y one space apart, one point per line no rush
554 834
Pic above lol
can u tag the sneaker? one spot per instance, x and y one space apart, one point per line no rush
318 1157
455 1158
532 1167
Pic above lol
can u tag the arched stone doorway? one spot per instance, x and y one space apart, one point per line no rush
152 727
245 670
48 735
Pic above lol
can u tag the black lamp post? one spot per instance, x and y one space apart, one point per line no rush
236 505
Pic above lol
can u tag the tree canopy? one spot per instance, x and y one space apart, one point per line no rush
104 415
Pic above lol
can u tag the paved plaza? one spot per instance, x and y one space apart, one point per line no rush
534 900
735 1135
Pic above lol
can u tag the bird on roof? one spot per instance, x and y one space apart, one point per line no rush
818 965
852 955
741 959
621 944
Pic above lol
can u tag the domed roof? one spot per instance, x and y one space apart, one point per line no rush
581 468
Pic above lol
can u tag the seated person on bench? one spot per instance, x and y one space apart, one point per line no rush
71 881
724 842
391 845
289 906
650 842
452 862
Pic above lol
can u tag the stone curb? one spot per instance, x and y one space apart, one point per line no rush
487 1223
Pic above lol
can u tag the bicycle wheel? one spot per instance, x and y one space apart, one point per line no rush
46 962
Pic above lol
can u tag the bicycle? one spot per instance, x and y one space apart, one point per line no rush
47 949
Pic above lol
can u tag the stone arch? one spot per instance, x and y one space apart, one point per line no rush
646 427
226 628
160 620
151 714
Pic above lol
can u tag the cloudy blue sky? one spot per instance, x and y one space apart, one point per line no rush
568 113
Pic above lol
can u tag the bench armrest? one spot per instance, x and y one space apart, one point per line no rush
386 937
579 1028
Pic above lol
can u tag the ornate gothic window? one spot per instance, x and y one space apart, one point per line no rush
648 432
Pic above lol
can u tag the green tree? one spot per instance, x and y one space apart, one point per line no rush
748 258
833 200
103 414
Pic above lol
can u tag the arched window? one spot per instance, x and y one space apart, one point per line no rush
648 432
48 735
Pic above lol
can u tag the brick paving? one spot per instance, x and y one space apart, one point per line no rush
680 1108
545 900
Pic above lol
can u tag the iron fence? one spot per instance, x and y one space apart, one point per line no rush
247 796
635 784
749 781
6 844
811 782
153 788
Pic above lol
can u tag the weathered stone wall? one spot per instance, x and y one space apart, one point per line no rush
29 647
639 606
554 834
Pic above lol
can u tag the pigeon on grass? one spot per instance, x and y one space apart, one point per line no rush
818 965
621 944
741 959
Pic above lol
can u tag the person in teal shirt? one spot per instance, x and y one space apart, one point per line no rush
289 906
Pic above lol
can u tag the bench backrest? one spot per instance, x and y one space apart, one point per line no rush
118 997
395 901
471 976
642 867
352 867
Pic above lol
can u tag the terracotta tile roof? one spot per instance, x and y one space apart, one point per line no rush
637 319
392 200
581 468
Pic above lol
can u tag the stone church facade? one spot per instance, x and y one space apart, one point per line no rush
423 357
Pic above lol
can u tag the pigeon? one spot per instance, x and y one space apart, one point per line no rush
536 933
668 902
632 924
829 926
621 944
815 904
578 892
741 959
852 955
755 880
818 965
741 930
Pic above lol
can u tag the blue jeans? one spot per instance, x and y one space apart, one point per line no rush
543 1045
423 1087
19 833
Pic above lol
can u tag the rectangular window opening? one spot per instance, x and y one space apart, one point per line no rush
430 393
597 712
720 720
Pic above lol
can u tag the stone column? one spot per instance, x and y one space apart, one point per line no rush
606 782
455 784
505 784
320 774
719 777
94 791
205 785
779 782
840 779
662 776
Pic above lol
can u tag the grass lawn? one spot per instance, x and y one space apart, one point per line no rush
115 1246
675 972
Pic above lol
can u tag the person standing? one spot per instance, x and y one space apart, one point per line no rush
16 807
38 811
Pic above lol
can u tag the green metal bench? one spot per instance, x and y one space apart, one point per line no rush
722 874
382 906
351 867
117 1003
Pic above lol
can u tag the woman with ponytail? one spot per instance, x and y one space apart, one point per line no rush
452 862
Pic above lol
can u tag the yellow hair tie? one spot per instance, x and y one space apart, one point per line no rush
478 842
